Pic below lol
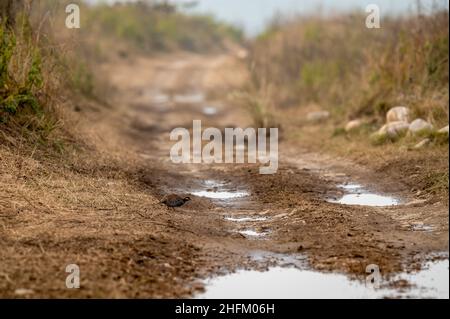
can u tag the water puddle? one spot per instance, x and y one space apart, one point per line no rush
366 199
222 195
358 196
209 110
217 190
213 183
431 282
422 227
191 98
294 283
245 219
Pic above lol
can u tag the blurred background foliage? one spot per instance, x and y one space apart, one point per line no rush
353 71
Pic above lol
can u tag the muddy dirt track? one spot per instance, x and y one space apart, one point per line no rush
235 212
298 219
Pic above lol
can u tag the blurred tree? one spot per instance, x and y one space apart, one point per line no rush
164 6
189 4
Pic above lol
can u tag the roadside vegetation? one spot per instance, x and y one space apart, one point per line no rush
142 27
330 64
315 75
157 27
53 98
353 71
83 120
63 168
29 85
47 70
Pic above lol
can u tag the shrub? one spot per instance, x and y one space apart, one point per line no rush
353 71
20 73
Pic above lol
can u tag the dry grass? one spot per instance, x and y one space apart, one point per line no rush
57 210
336 64
33 89
75 186
353 71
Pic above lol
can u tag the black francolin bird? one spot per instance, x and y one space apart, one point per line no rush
174 200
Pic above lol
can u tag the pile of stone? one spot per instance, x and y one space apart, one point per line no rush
398 124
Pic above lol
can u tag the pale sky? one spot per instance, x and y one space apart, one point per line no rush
253 15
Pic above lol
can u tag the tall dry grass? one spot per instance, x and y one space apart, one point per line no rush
26 84
46 67
138 27
36 82
353 71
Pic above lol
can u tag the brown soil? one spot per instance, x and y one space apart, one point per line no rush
100 208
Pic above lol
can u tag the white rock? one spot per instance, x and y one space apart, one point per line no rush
394 130
317 116
398 114
420 126
443 130
353 125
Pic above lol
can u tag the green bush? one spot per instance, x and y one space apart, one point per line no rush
17 93
151 27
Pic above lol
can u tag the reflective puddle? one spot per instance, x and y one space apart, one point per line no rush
245 219
366 199
431 282
251 233
213 183
217 190
293 283
209 110
191 98
220 195
358 196
422 227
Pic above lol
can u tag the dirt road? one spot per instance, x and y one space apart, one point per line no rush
292 203
235 212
